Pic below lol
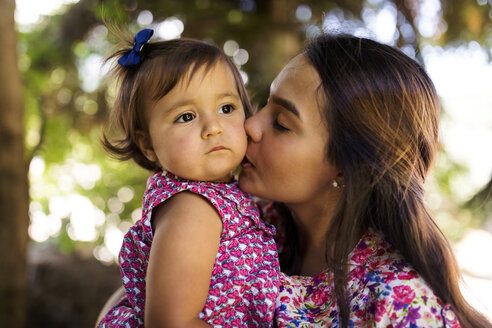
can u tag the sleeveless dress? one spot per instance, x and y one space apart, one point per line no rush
245 276
384 291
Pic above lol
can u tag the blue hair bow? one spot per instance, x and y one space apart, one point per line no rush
132 57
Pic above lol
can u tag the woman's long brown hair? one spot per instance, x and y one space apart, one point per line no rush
382 115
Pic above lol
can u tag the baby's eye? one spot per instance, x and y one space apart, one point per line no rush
226 109
186 117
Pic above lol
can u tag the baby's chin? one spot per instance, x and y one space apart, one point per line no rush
222 175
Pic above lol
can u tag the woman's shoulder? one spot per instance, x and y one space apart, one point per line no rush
393 290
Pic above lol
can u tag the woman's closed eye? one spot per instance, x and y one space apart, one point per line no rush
279 126
186 117
226 109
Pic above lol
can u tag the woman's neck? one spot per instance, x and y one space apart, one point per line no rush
312 221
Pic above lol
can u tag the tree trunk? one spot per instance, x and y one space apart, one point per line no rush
14 199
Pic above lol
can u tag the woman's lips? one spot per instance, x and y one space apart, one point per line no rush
246 163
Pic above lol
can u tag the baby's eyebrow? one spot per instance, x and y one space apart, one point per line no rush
288 105
227 94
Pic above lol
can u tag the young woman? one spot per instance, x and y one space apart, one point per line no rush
343 147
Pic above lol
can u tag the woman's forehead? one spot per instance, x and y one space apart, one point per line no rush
298 74
298 83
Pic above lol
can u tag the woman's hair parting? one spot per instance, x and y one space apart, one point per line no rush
382 115
146 72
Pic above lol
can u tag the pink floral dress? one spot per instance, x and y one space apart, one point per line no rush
245 277
384 292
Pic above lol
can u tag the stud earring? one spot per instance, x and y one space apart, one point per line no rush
335 184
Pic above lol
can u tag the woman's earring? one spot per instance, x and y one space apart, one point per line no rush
335 184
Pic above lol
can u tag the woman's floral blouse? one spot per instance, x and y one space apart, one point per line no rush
384 292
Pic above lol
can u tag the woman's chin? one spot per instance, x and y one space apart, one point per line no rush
246 182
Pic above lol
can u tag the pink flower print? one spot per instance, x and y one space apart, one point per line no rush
240 262
285 299
220 201
248 296
234 243
256 285
221 280
222 299
228 265
227 210
407 275
236 253
319 297
229 313
233 295
263 308
379 311
361 256
217 270
248 251
227 286
249 261
260 297
233 227
214 292
242 308
236 322
244 240
388 276
239 282
404 293
262 275
223 257
271 296
218 321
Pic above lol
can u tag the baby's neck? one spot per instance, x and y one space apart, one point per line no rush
225 179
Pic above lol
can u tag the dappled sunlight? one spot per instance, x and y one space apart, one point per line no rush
30 12
79 196
473 256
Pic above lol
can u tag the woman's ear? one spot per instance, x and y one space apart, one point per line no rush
340 178
145 145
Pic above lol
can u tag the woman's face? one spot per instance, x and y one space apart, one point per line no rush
286 156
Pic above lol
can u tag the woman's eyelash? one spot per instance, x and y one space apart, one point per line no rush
279 126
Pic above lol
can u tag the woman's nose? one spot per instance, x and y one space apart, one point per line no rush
253 127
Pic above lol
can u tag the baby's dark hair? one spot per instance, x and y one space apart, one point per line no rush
162 65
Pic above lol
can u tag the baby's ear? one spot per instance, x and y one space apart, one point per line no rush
145 145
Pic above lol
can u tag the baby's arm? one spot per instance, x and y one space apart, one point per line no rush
187 232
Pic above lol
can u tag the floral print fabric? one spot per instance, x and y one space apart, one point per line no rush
384 291
245 276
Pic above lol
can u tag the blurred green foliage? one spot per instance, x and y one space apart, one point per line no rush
64 118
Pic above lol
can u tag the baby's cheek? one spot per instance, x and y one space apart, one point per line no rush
184 152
